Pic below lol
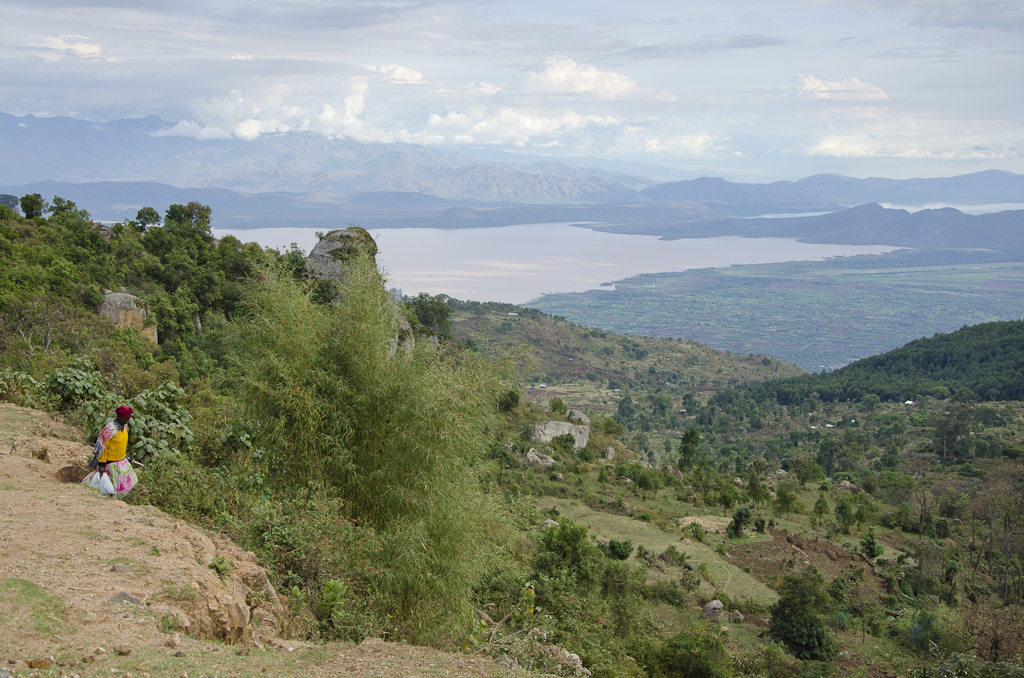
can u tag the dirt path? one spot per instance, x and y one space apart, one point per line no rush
67 555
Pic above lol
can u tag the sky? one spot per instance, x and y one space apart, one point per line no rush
760 88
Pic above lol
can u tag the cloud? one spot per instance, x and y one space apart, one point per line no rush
810 87
702 45
871 146
398 74
1005 15
509 126
564 75
241 57
483 88
686 144
191 129
60 48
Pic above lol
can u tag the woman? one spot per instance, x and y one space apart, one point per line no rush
110 454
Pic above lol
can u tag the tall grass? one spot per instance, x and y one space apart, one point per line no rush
391 434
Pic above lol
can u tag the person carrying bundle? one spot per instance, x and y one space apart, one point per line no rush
114 474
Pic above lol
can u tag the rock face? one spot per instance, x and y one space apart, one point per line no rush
736 617
577 417
535 458
127 310
546 431
713 612
609 453
327 260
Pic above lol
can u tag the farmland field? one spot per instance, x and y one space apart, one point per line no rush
819 315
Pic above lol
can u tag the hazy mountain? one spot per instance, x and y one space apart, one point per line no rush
868 224
71 150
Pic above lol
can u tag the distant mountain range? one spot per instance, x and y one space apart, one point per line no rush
114 168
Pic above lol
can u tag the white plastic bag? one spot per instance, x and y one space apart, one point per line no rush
101 482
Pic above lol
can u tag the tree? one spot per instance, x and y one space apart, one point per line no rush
796 617
433 313
688 448
955 419
726 497
557 406
33 205
756 489
626 409
821 506
786 500
146 217
740 519
189 220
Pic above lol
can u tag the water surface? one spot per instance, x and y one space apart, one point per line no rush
519 263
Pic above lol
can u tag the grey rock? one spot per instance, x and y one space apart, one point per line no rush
609 453
548 525
535 458
127 310
559 477
736 617
713 611
327 260
546 431
126 597
577 417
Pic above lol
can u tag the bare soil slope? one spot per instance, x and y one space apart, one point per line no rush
80 572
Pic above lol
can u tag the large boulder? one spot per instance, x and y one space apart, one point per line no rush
713 612
546 431
127 310
609 453
327 260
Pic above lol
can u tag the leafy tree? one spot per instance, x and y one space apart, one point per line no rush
740 519
786 500
796 617
33 205
955 419
146 217
626 410
756 489
726 497
870 546
433 313
688 448
557 405
821 506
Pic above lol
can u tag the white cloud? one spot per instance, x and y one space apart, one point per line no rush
810 87
565 75
870 146
241 57
508 126
686 144
188 128
398 74
60 47
483 88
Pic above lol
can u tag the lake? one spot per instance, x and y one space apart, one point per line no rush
519 263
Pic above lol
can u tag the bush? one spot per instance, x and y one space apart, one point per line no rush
620 550
389 434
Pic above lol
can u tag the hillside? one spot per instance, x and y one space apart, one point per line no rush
62 568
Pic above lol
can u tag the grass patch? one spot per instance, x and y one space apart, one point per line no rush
176 592
726 577
26 606
135 541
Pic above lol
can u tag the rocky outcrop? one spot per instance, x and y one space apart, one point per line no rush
535 458
546 431
577 417
609 453
127 310
713 612
327 260
673 471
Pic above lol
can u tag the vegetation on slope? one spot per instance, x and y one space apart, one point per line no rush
388 491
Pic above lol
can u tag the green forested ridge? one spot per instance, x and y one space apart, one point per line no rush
385 486
988 359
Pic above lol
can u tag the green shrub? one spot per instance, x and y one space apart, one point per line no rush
620 550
